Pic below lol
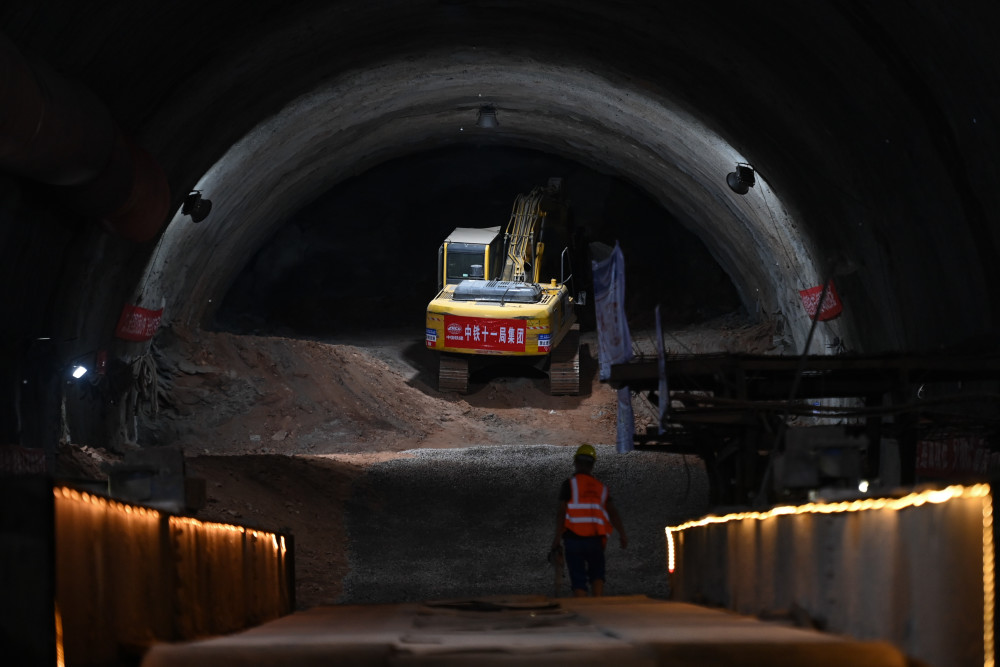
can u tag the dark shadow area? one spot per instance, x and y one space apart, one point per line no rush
425 362
512 368
527 371
363 255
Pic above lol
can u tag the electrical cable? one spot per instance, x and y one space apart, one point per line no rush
145 382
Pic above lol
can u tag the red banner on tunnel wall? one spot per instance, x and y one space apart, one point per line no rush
831 302
956 456
17 460
137 323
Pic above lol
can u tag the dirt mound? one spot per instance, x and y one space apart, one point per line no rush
229 394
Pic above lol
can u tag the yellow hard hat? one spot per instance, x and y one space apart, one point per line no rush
586 450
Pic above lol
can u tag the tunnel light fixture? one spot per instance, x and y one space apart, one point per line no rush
487 117
196 206
741 180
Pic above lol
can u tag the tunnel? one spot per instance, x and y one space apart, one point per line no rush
290 168
869 141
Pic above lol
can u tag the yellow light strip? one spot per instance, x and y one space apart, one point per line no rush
989 583
179 521
916 499
100 502
66 493
278 542
60 654
671 559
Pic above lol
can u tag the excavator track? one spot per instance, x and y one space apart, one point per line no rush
564 365
453 373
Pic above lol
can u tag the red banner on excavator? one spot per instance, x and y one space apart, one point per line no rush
483 333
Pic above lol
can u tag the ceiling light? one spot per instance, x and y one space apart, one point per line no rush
487 117
196 207
79 372
741 180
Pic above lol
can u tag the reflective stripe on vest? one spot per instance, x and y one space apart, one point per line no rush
585 513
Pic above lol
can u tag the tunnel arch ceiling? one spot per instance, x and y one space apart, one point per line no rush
877 122
382 230
587 114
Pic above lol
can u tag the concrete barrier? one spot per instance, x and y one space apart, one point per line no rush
129 576
915 569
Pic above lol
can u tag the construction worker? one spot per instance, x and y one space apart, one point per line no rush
586 517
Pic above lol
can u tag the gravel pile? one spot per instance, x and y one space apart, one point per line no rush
479 521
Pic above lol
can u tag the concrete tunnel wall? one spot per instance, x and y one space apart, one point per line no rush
913 569
874 129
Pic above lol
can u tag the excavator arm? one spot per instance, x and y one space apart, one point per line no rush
522 233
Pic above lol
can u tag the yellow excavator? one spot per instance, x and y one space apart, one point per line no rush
505 295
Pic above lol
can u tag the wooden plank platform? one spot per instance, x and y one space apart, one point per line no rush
624 631
762 377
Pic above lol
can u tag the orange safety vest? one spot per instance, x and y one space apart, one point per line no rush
585 513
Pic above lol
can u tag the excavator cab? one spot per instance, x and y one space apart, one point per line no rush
469 254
